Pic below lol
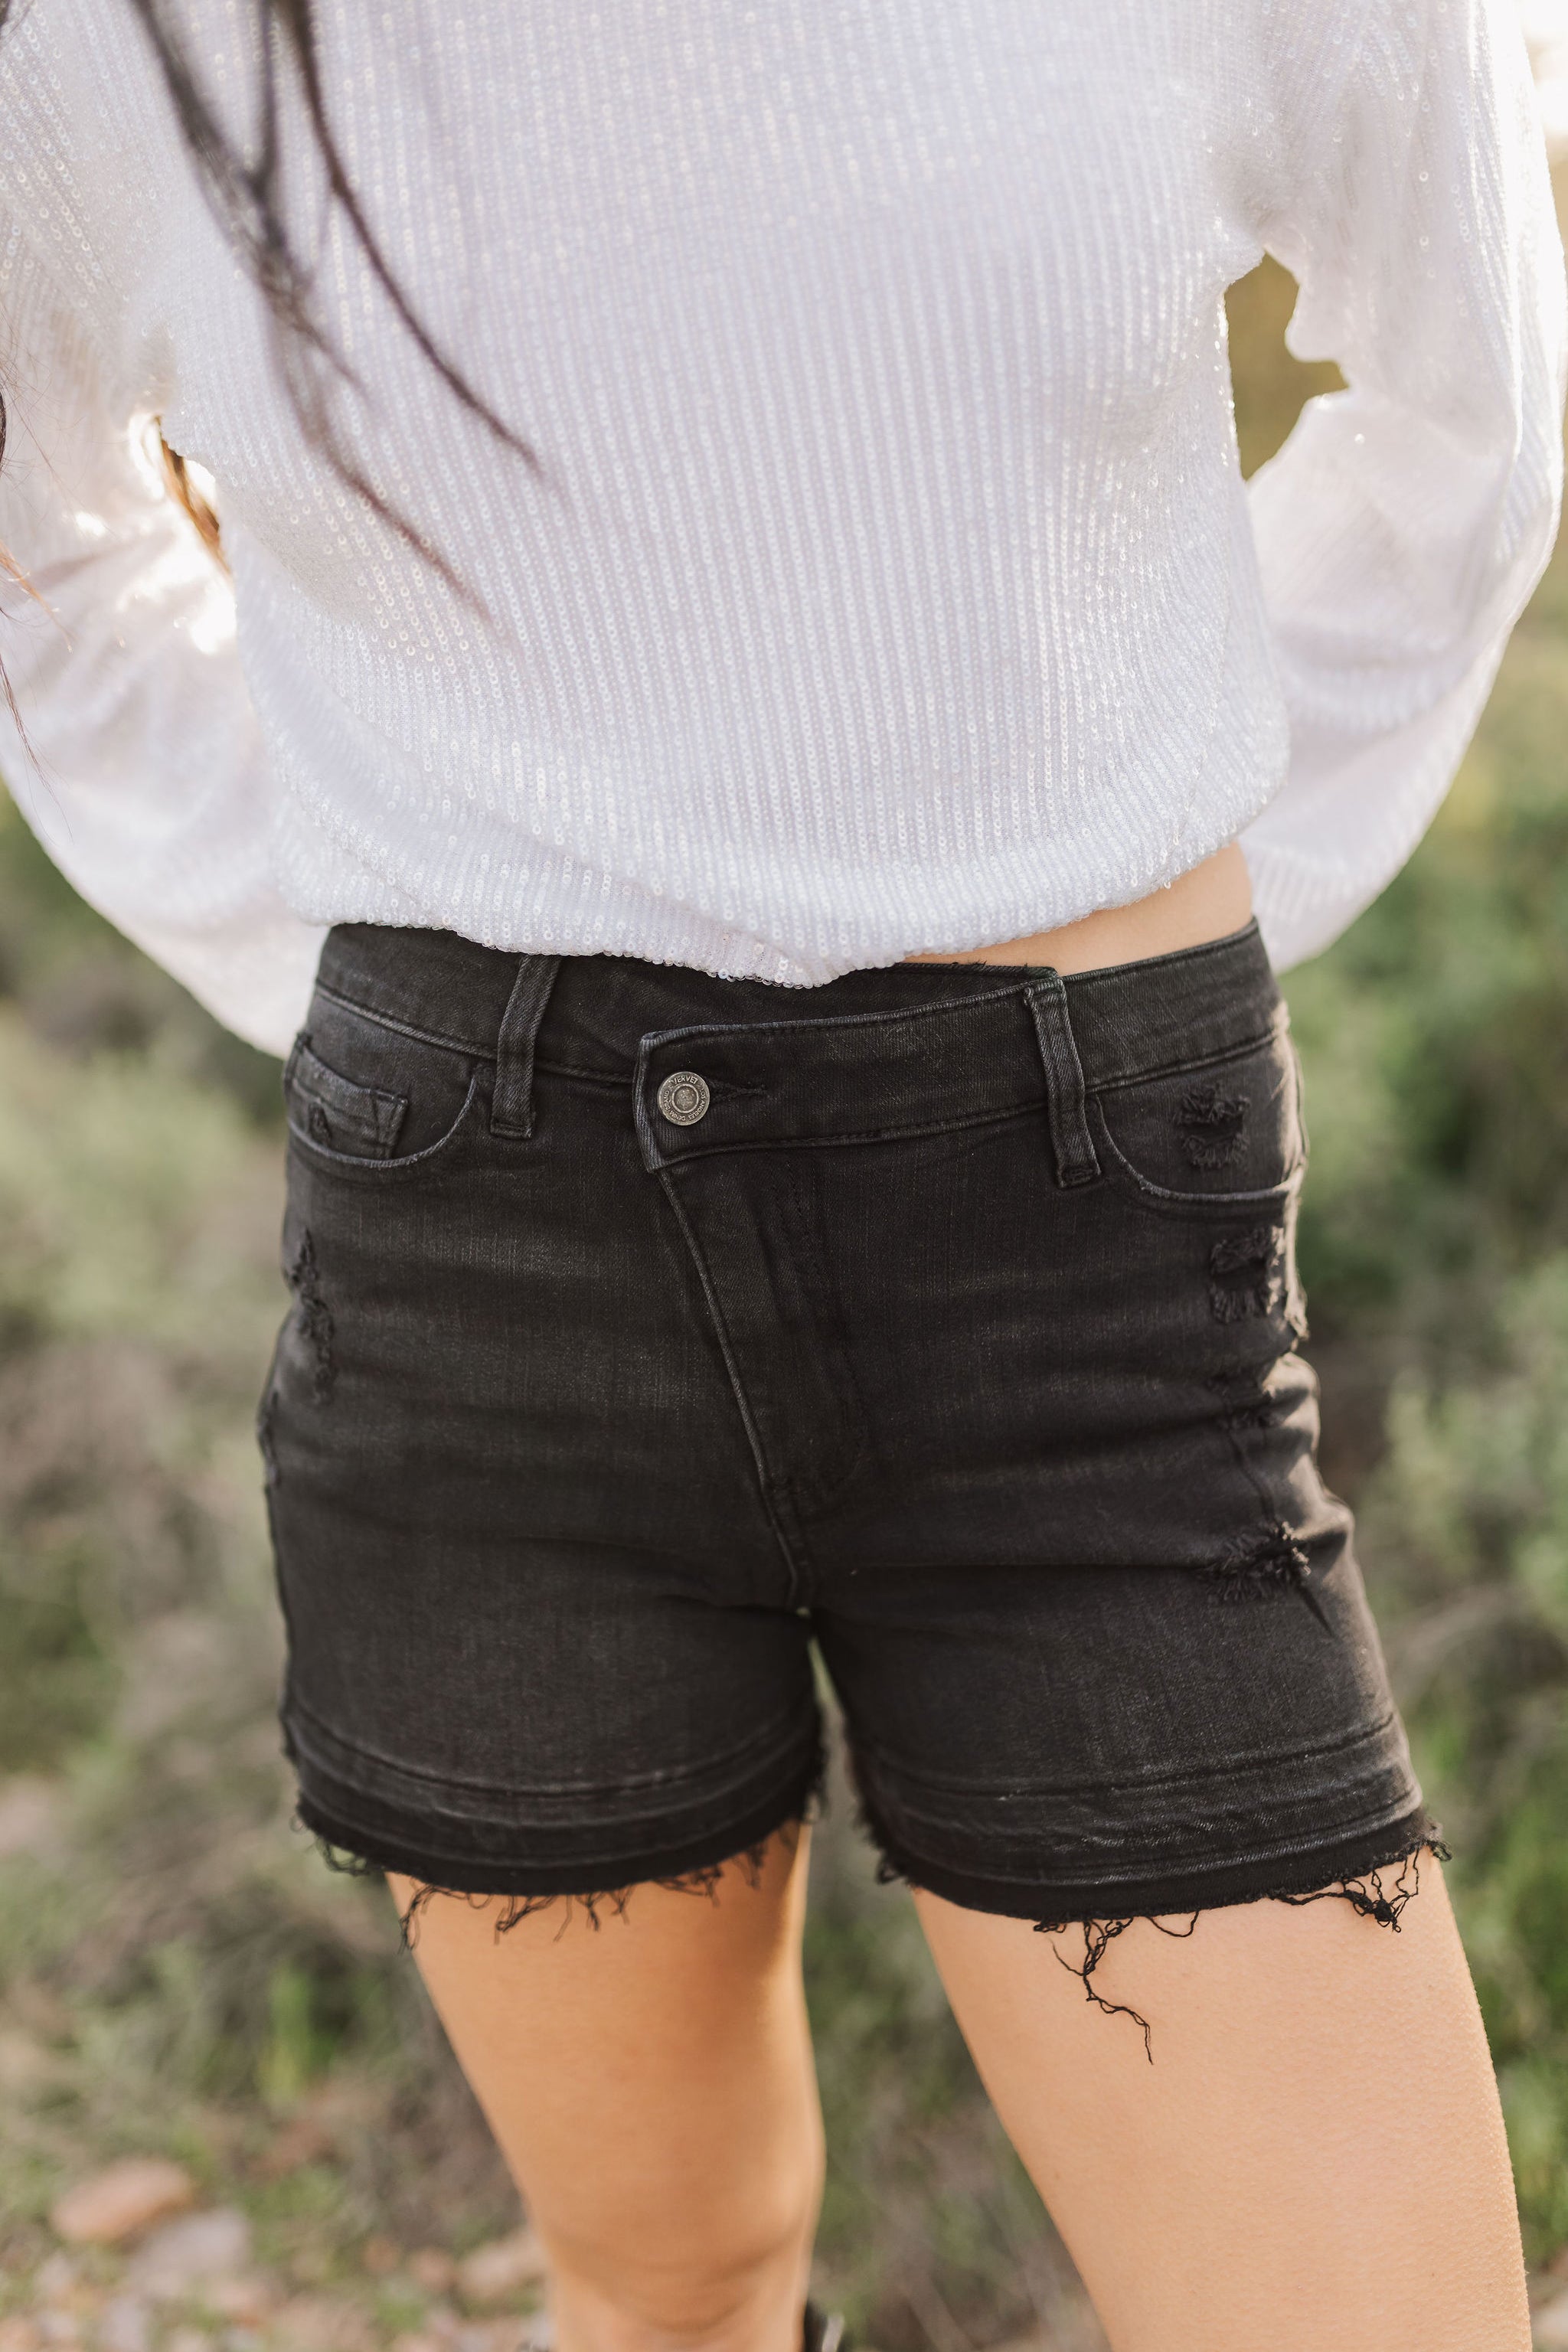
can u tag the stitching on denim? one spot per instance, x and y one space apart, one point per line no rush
1278 1195
959 1123
1073 1156
1089 984
940 1008
910 1775
512 1115
704 1879
902 1867
1193 1064
385 1170
332 1095
655 1039
617 1080
766 1484
651 1782
463 1045
787 1138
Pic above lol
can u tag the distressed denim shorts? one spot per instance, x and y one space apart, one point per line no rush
652 1331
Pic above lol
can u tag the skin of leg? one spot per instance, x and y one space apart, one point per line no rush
651 2087
1315 2158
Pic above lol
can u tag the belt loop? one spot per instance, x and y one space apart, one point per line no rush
1071 1141
511 1106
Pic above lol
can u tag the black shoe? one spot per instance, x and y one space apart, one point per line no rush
821 2331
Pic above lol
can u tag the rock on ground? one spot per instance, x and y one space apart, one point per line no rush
126 2325
179 2257
122 2199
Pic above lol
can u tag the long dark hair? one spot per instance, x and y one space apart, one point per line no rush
244 191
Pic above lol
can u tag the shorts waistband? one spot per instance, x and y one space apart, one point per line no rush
898 1050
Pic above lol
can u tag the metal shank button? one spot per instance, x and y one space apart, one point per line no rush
684 1099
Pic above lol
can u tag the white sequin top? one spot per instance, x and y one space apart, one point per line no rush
891 584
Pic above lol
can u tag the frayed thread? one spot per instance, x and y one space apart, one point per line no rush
1258 1568
1098 1935
596 1903
314 1316
1271 1562
1367 1895
1214 1126
1246 1273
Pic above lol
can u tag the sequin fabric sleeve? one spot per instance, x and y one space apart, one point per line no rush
1407 519
147 780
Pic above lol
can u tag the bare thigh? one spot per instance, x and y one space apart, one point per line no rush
649 2082
1314 2160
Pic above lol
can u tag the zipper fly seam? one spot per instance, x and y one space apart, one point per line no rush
767 1485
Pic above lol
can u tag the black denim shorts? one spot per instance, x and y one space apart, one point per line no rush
650 1329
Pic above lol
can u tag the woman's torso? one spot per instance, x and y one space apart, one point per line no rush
890 588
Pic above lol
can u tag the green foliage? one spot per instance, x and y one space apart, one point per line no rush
58 1671
1467 1520
1269 384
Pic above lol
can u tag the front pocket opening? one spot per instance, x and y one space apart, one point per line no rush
337 1113
1228 1131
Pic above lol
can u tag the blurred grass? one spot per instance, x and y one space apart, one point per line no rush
178 1974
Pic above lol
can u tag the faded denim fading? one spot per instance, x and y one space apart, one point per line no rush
651 1328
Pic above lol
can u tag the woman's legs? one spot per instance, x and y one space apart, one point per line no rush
1315 2159
651 2087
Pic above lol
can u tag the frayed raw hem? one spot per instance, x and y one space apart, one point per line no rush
594 1903
360 1858
1365 1890
1365 1894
